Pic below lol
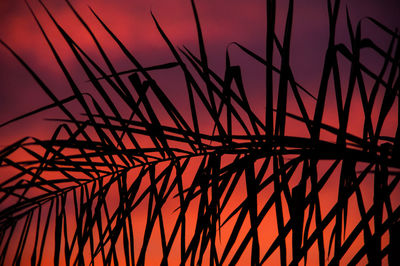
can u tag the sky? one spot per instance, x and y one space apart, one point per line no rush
223 22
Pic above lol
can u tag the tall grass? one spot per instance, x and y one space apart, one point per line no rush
155 186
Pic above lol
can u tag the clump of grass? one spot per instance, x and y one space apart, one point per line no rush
108 188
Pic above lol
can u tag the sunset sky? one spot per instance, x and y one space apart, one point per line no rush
223 22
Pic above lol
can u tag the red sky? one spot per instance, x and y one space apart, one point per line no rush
223 22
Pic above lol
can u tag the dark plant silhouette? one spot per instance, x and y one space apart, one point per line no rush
107 187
